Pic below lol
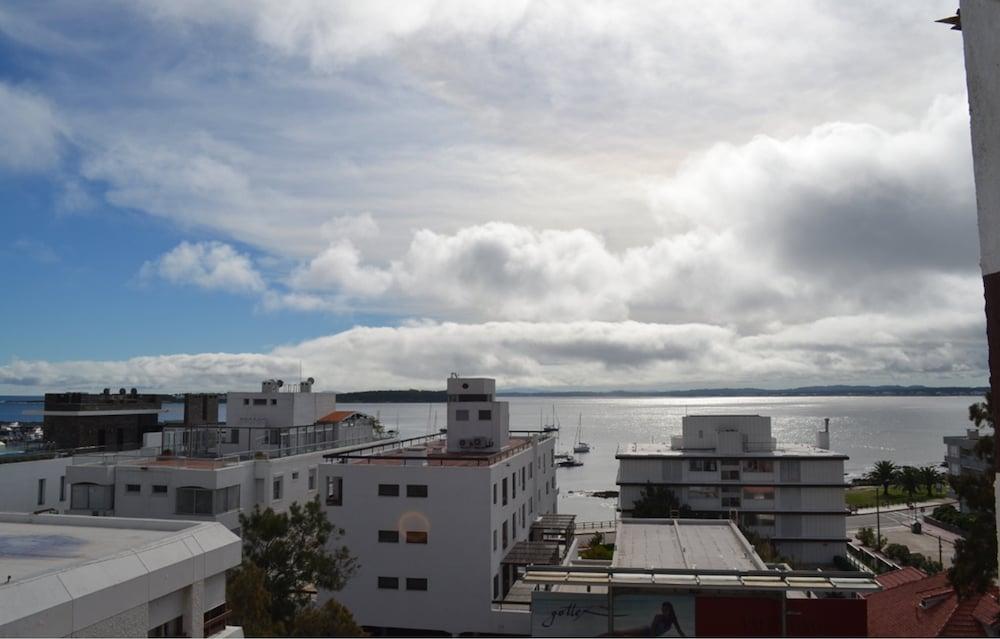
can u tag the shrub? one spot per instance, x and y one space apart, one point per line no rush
898 553
866 536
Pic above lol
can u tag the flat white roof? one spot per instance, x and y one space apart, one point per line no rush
696 544
68 572
783 450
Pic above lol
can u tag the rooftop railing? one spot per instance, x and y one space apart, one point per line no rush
379 452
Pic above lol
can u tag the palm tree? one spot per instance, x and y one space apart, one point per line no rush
908 479
883 473
930 477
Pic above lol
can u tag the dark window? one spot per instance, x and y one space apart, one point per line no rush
159 489
513 485
388 490
133 488
388 536
62 488
194 501
494 493
388 583
295 475
41 491
276 489
522 478
234 436
485 415
496 586
334 491
494 541
246 401
416 537
274 402
92 497
462 415
416 583
312 479
504 491
503 535
260 402
416 490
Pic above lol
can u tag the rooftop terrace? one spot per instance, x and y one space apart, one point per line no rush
432 450
683 543
663 449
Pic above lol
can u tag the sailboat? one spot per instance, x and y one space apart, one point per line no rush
580 446
554 426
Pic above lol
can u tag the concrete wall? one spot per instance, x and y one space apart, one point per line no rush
701 431
280 409
19 485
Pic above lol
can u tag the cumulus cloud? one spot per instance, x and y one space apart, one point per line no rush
209 265
29 130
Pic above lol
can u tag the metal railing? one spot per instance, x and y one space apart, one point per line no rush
596 525
217 623
377 453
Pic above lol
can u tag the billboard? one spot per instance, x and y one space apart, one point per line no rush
567 614
643 613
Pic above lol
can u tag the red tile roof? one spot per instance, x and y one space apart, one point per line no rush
915 605
335 417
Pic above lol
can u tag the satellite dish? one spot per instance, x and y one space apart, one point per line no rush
280 383
311 380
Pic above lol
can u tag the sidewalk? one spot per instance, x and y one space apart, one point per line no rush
927 505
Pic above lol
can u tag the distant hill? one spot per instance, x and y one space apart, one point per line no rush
428 396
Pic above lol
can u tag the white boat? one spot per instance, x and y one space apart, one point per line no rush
579 446
554 425
569 462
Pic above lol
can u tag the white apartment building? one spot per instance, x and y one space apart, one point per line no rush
258 457
432 519
33 482
730 466
87 577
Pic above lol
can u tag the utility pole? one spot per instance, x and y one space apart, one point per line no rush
878 522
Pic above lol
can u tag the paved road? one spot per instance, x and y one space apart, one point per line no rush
899 518
934 542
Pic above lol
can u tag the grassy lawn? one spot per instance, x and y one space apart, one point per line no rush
864 496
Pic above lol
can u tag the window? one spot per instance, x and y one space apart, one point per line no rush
246 401
494 540
758 493
334 491
416 536
702 465
416 490
703 492
522 478
260 402
388 583
758 519
530 468
226 499
485 415
513 485
388 536
523 506
416 583
92 497
133 488
274 402
62 488
192 500
494 493
312 479
234 435
276 488
462 415
503 535
496 586
758 466
295 475
388 490
730 497
274 437
503 492
531 507
513 525
41 491
159 489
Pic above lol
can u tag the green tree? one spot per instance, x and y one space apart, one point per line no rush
930 477
975 565
290 549
329 620
658 502
883 473
908 479
250 602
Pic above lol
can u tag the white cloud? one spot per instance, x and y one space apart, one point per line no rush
29 130
556 354
209 265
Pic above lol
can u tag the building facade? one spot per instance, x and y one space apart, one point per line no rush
108 421
730 466
106 577
960 457
431 519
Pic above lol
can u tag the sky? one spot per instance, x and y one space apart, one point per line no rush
560 195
